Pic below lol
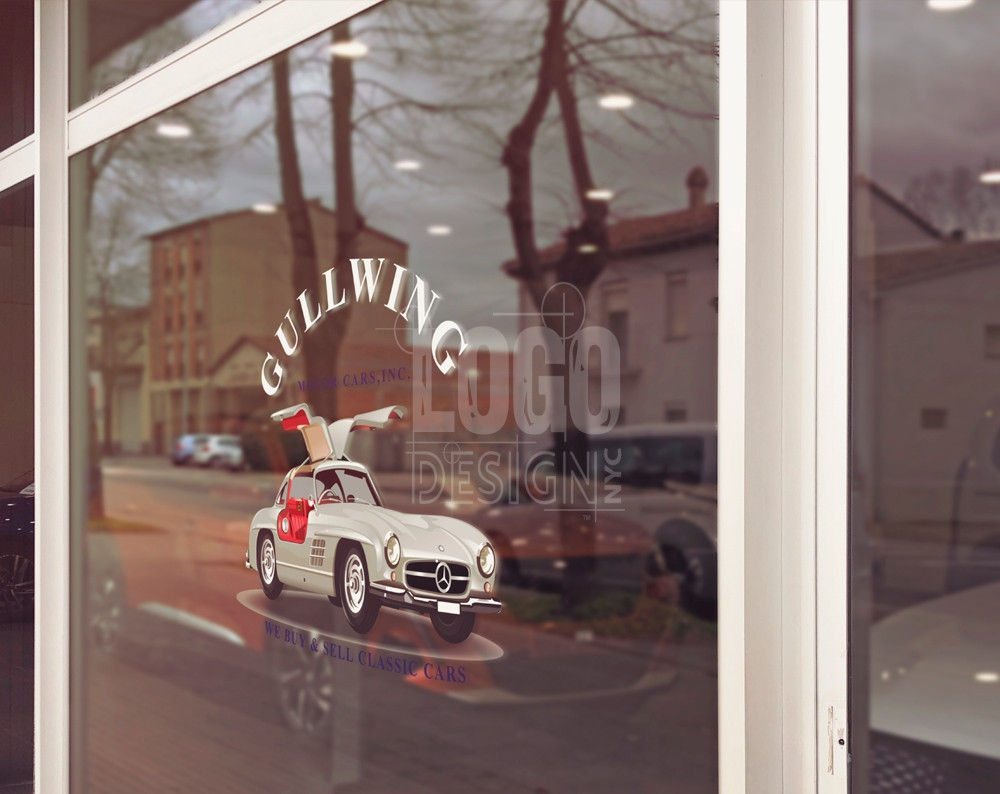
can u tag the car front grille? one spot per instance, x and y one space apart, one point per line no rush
423 575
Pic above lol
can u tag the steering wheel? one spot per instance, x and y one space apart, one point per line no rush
329 496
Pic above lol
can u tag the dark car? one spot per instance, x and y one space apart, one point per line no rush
17 548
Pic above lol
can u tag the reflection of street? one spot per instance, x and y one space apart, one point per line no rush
212 704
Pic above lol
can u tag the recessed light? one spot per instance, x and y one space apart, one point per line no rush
948 5
600 194
407 165
990 177
987 677
587 248
439 230
173 129
349 49
616 101
264 208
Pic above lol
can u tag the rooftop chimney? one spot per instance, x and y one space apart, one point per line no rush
697 183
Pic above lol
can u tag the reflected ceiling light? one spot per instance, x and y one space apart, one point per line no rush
407 165
264 208
616 101
990 177
948 5
600 194
587 248
349 49
987 677
173 129
439 230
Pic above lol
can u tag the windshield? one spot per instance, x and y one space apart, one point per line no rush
346 485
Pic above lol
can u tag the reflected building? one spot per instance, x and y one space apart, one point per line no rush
658 295
215 282
118 360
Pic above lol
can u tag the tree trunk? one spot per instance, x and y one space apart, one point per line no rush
321 344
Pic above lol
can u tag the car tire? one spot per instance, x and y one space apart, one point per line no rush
360 606
690 578
267 566
304 684
453 628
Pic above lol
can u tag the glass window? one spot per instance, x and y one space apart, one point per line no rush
17 71
111 40
677 308
925 517
616 310
17 494
359 288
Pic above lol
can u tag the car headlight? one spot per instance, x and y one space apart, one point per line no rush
284 524
393 551
487 560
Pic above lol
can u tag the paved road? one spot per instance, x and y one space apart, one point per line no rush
188 696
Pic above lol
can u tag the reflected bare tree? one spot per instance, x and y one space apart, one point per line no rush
957 202
128 180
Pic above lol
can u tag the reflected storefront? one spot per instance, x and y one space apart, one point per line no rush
925 320
443 396
503 264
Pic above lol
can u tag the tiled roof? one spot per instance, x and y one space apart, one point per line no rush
893 268
677 229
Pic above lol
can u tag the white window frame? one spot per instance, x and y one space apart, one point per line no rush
783 443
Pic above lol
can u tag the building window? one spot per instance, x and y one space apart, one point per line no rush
675 413
933 418
677 306
616 311
991 341
168 323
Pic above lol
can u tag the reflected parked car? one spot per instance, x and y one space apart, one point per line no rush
184 448
219 452
667 473
17 548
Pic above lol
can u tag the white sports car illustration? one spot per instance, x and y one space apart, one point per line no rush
327 532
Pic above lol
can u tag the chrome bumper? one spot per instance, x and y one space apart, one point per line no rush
401 597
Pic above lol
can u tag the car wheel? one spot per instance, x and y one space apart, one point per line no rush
690 578
267 566
360 606
17 586
305 687
453 628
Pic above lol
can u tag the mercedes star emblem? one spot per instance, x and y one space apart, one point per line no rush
442 576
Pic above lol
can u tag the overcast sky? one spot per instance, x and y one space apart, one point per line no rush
927 88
